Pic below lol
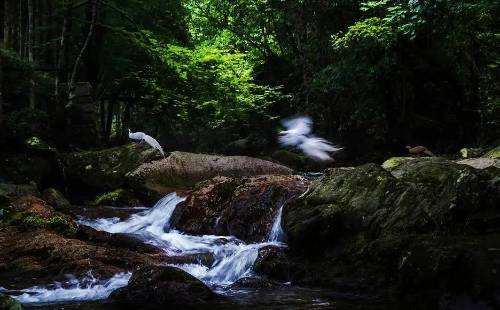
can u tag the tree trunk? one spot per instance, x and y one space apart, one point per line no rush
20 29
31 43
1 90
6 24
61 56
109 119
72 80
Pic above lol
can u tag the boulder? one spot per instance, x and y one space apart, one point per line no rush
55 198
39 256
471 152
428 227
10 192
9 303
241 207
273 263
118 198
105 170
163 285
394 162
32 212
183 170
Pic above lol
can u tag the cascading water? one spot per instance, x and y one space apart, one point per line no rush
233 258
88 288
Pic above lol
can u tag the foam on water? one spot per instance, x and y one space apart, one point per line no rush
233 259
87 288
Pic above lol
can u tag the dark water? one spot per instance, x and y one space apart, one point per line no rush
289 298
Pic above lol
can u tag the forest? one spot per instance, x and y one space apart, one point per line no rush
248 154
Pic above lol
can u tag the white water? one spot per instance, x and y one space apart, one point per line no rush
277 234
88 288
233 259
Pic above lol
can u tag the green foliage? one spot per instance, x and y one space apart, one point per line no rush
26 123
57 223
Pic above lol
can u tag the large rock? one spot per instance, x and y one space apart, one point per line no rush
242 207
163 285
493 153
273 263
105 170
431 225
183 170
41 256
480 163
10 192
56 199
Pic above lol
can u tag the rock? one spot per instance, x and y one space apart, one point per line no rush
289 159
493 154
118 198
9 303
105 169
183 170
36 143
163 285
32 212
480 163
205 259
273 263
255 283
241 207
10 192
428 228
40 256
471 152
55 198
394 162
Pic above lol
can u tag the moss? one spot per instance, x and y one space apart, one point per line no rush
57 223
394 162
110 197
494 153
9 303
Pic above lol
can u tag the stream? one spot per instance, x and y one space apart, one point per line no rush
232 260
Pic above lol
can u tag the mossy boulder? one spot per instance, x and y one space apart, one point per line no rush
493 154
163 285
394 162
105 169
9 303
273 263
406 230
31 212
289 159
183 170
56 199
467 152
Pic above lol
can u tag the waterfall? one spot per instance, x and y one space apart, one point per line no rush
233 258
277 234
87 288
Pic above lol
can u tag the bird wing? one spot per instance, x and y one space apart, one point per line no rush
297 129
136 135
318 148
151 141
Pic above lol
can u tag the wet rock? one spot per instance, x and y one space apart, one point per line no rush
273 263
183 170
163 285
255 283
105 169
242 207
205 259
289 159
9 303
41 256
393 162
55 198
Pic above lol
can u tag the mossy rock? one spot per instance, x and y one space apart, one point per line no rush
9 303
289 159
119 197
394 162
493 154
105 169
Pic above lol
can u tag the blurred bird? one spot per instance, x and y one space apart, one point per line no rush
298 134
419 150
144 137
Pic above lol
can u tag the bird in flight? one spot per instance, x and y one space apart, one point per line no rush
298 134
144 137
